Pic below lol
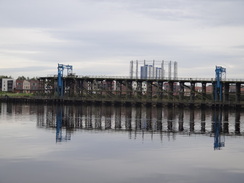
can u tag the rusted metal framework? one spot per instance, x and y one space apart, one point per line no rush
134 90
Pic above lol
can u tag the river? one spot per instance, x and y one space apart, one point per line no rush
114 144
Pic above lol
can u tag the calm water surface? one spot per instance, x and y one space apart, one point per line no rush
107 144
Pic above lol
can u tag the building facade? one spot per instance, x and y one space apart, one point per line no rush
27 86
7 84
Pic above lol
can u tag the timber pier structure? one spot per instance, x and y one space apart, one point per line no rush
190 92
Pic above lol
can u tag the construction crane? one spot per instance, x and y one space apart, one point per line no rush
218 93
60 87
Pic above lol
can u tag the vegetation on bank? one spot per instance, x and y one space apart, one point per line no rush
11 94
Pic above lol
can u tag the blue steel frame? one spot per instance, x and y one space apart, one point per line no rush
61 67
218 86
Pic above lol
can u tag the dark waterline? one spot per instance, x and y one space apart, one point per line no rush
119 144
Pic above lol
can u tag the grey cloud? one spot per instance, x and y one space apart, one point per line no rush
54 13
44 14
238 47
209 12
26 69
32 71
94 31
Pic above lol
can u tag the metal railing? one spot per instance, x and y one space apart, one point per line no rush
152 78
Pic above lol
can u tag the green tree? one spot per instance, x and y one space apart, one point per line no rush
5 77
21 78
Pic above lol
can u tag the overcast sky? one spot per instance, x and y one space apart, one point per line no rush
101 37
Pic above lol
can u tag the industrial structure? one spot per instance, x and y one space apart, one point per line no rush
153 89
220 72
153 69
60 85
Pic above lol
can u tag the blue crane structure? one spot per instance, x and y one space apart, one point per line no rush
60 87
218 93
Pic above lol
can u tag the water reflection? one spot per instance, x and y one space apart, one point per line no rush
136 121
59 126
219 140
140 120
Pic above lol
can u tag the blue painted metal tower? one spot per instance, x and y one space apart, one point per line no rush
218 93
60 87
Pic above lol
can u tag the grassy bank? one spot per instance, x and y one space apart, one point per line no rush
10 94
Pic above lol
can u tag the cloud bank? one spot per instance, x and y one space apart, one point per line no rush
102 37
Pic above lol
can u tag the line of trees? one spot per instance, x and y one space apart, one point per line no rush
19 77
26 78
8 77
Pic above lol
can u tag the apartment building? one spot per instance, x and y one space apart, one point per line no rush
7 84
